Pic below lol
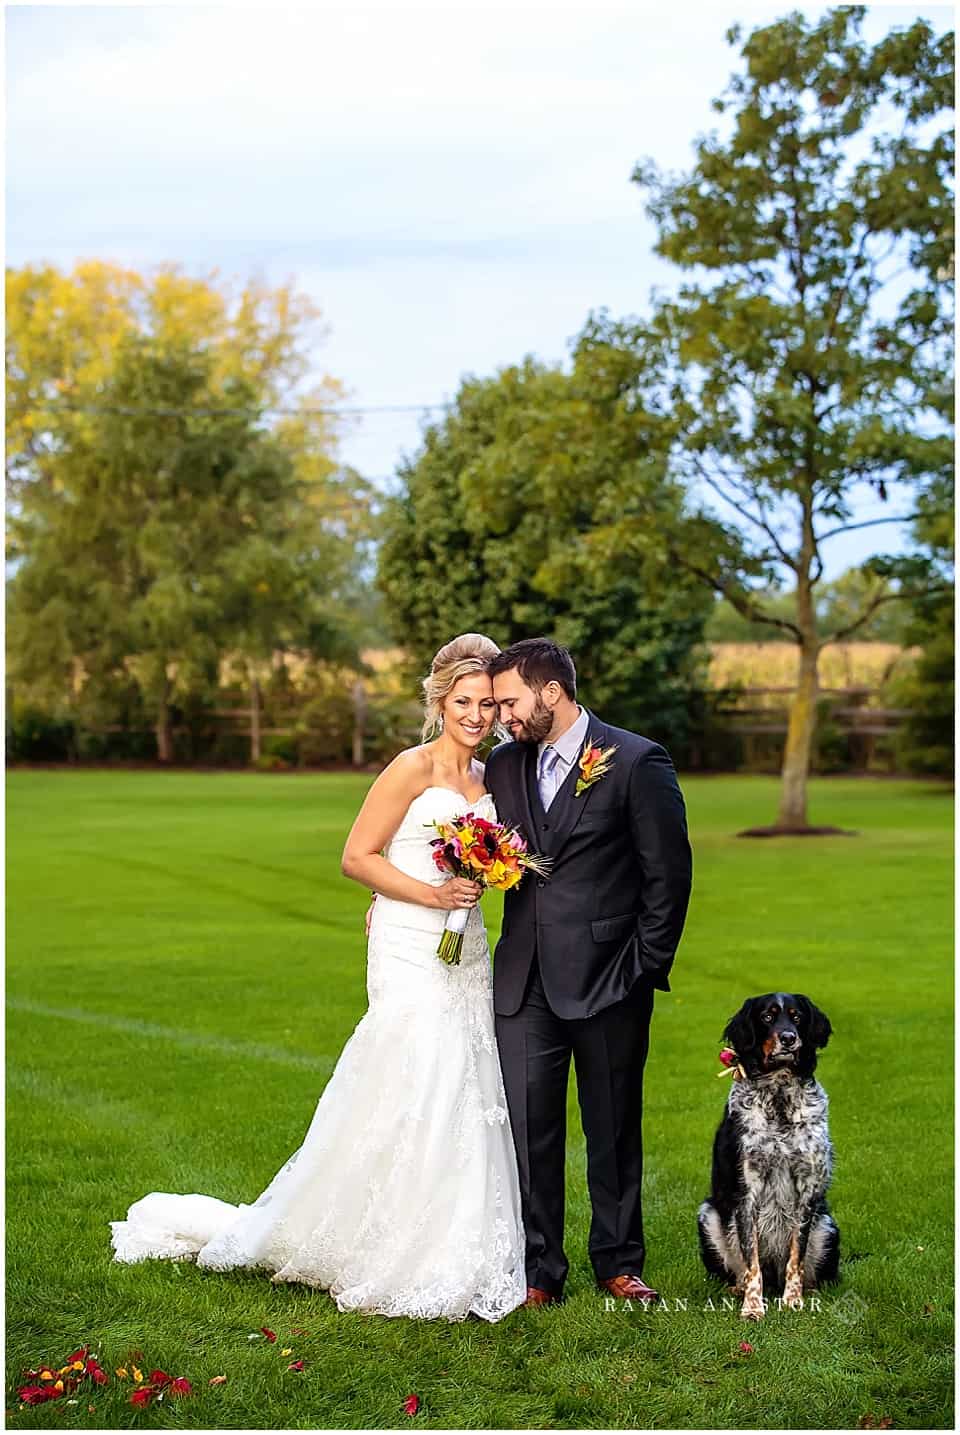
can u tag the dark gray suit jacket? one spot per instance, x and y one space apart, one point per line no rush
612 910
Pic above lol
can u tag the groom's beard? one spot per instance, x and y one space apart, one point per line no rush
535 727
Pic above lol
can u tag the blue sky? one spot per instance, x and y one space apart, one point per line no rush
450 184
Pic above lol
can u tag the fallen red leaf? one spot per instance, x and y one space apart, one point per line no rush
80 1354
411 1405
746 1347
159 1377
143 1396
180 1386
99 1375
295 1365
271 1335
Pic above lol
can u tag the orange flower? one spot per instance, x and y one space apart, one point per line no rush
594 764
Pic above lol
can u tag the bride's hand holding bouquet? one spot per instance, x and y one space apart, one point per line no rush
484 855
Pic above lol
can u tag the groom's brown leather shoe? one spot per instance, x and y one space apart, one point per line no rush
629 1288
535 1296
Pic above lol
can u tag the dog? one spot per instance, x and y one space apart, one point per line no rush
766 1224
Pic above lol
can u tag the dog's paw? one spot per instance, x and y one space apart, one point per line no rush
793 1291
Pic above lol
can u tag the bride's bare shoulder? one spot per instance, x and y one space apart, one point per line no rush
410 771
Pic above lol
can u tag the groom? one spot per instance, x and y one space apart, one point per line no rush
581 952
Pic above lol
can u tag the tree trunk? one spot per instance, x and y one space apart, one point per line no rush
803 710
254 719
164 732
800 733
359 721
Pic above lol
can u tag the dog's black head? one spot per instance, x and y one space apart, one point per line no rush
777 1031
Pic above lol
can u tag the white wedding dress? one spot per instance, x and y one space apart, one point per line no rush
403 1197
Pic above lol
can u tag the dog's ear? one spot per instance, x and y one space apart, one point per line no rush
740 1031
819 1023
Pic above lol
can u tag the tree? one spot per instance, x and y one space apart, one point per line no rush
172 526
235 355
63 332
807 367
492 529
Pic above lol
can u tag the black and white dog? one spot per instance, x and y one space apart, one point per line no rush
766 1224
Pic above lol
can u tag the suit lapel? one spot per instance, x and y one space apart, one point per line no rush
528 774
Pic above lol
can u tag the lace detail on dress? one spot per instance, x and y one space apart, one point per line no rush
403 1197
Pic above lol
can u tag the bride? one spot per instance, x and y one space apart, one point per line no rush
403 1197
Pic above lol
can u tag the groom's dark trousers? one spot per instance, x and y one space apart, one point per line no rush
574 975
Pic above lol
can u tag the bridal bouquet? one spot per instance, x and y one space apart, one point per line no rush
485 852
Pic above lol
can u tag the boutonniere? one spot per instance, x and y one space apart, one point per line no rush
594 764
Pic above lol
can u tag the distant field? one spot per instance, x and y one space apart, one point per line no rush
842 665
185 962
774 665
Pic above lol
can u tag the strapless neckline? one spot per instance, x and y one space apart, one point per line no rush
436 787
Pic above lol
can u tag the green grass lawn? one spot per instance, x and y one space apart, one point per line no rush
185 963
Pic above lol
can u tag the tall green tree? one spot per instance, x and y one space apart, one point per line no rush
810 352
492 529
171 527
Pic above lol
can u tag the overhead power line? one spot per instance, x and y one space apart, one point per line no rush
331 412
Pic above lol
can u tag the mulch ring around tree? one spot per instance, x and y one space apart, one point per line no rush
776 831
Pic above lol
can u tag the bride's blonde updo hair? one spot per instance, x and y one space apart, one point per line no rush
470 653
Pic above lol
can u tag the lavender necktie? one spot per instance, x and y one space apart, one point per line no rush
548 783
